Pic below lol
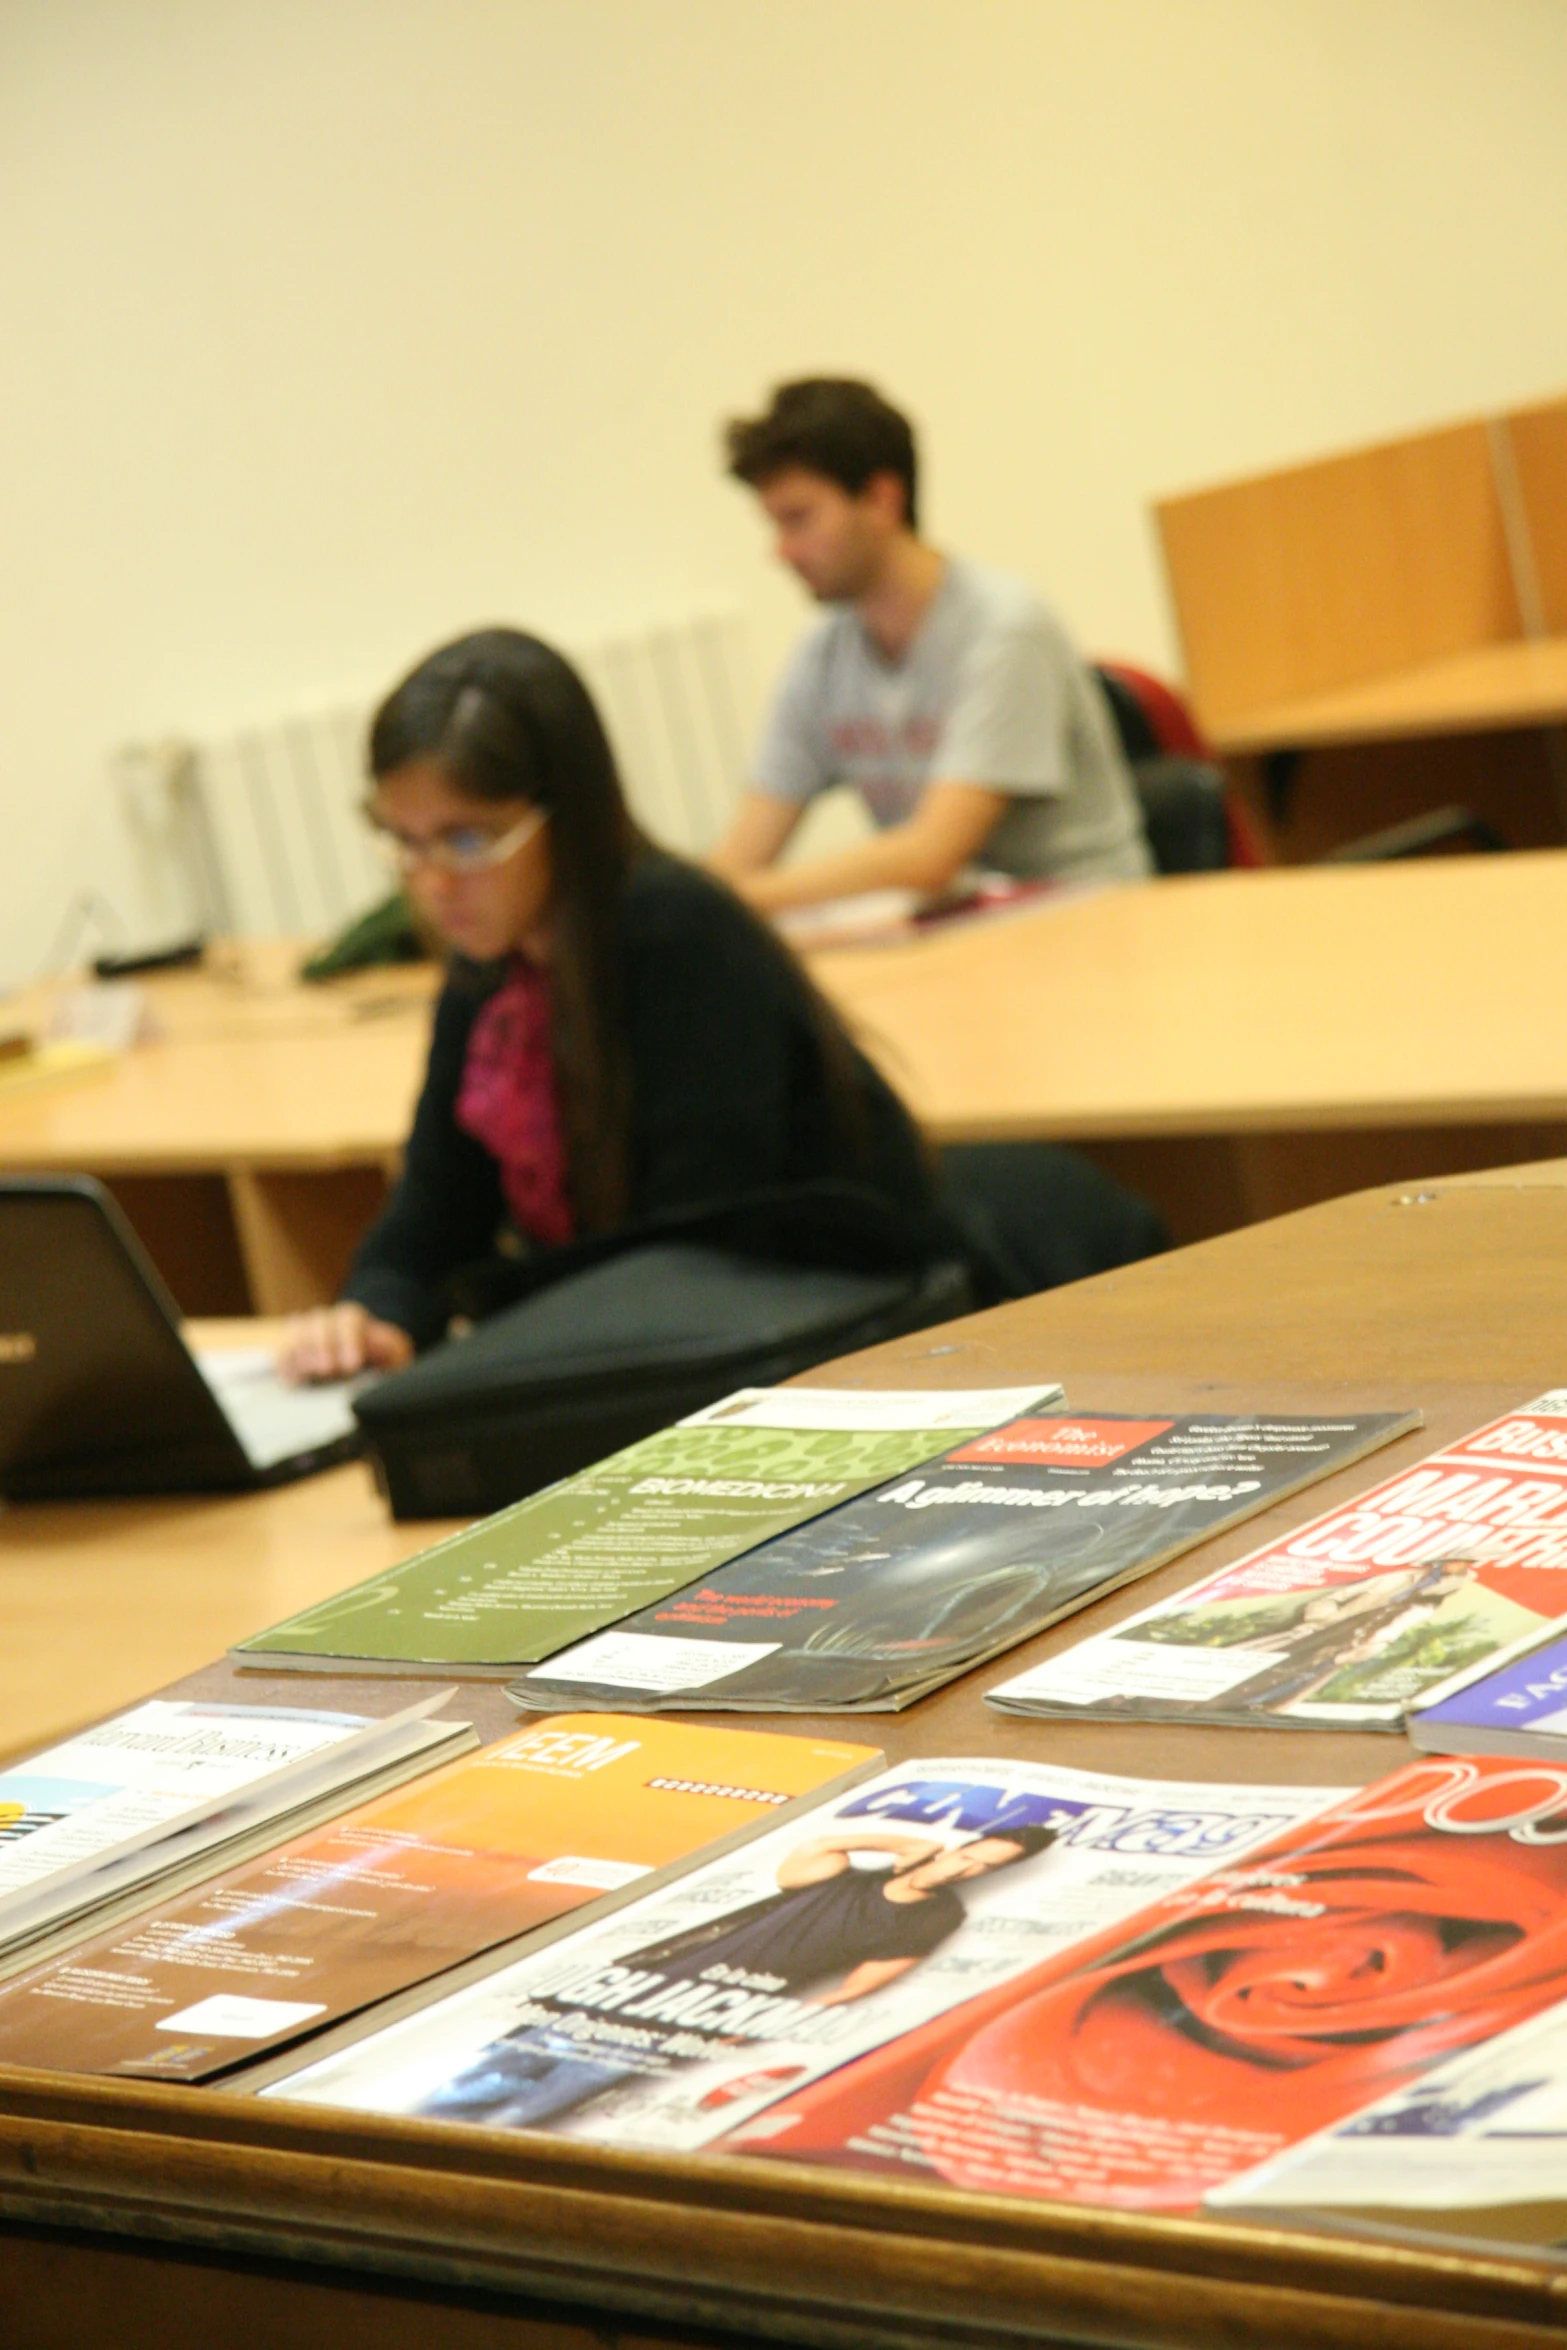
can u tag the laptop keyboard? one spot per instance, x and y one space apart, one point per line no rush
274 1421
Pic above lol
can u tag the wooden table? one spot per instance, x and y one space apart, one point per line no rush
102 1601
1233 1044
252 1137
1384 631
1236 1045
1489 689
157 2217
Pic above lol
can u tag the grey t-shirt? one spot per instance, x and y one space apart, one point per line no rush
989 692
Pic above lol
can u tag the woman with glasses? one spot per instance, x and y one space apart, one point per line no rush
618 1037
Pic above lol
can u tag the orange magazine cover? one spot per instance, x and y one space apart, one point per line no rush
1228 2019
570 1811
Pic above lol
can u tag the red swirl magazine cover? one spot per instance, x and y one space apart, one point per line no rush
1345 1622
749 1976
1221 2024
505 1842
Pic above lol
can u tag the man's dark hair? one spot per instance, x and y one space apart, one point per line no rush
831 425
1028 1840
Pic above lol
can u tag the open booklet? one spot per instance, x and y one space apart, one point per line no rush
749 1977
1346 1622
508 1841
628 1531
883 1599
140 1802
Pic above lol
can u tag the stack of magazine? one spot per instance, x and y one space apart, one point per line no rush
1008 1976
1023 1979
815 1549
508 1842
871 1606
721 1997
627 1532
161 1795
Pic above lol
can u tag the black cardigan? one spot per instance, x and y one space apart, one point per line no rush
729 1096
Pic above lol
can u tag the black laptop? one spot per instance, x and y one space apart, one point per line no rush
99 1393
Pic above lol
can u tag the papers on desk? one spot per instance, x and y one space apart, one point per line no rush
113 1013
146 1798
881 917
628 1531
701 2006
44 1064
873 1605
507 1842
1477 2147
88 1028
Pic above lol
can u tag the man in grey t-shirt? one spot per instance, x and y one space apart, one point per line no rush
947 694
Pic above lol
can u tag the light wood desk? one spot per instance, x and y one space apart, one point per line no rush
1240 1044
1385 631
102 1601
1233 1044
159 2217
251 1139
1490 689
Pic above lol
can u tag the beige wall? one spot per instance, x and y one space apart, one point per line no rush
329 326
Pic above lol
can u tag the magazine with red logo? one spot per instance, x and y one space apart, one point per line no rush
1062 1443
874 1603
1233 2017
1346 1622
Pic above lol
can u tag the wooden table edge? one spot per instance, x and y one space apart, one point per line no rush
776 2245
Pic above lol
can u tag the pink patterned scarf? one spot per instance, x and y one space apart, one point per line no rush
509 1102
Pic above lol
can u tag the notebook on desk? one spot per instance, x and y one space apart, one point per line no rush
99 1393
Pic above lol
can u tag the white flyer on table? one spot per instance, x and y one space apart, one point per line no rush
141 1773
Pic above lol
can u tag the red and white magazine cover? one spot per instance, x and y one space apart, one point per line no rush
1348 1620
1232 2016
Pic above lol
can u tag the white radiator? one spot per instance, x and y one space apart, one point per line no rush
270 839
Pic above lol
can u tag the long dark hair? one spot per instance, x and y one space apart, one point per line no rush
507 719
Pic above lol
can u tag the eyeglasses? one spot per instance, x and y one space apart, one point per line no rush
465 849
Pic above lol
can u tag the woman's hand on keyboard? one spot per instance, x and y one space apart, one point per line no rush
336 1342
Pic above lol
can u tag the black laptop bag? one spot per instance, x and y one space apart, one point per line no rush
641 1331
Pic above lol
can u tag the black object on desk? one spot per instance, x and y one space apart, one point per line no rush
178 956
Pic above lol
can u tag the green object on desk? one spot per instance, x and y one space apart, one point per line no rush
586 1552
387 933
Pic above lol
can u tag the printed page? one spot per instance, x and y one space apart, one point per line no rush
1236 2016
626 1532
903 1588
1487 2129
141 1773
503 1841
1350 1619
706 2003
